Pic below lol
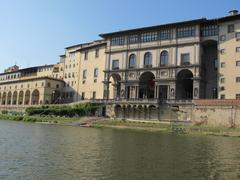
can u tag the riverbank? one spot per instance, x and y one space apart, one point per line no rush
168 127
150 126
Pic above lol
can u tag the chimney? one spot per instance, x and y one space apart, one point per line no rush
233 12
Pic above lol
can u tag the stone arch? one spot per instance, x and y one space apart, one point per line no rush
153 112
118 111
114 86
9 98
14 99
4 98
20 97
184 84
35 97
27 97
128 111
146 85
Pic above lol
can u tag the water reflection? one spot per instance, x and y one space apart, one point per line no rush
33 151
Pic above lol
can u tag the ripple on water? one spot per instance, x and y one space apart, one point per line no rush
34 151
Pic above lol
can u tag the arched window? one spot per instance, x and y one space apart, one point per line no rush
148 59
132 61
164 58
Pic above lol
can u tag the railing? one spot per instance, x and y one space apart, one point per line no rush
110 101
141 101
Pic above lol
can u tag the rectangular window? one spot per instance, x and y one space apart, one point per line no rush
230 28
238 96
85 55
83 95
222 51
223 37
238 49
84 74
97 53
237 79
185 59
149 36
223 65
94 95
237 35
237 63
186 32
118 41
96 72
211 30
115 64
222 80
133 39
165 34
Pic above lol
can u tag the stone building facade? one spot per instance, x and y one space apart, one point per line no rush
183 60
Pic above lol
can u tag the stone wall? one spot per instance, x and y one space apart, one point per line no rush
202 112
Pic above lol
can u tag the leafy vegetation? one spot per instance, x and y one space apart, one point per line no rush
77 110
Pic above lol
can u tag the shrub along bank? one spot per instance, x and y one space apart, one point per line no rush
52 113
77 110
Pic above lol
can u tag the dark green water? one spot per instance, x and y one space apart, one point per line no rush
34 151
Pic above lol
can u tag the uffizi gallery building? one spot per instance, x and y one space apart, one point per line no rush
196 59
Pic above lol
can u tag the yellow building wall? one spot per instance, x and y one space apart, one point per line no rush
89 86
230 71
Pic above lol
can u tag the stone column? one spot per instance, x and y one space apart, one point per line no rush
17 98
157 93
136 92
23 99
30 98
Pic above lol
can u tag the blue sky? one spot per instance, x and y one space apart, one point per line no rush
35 32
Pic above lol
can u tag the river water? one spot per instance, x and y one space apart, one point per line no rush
35 151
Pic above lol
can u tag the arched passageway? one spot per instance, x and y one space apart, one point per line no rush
27 97
146 85
184 85
20 98
35 97
14 100
114 86
9 98
4 98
